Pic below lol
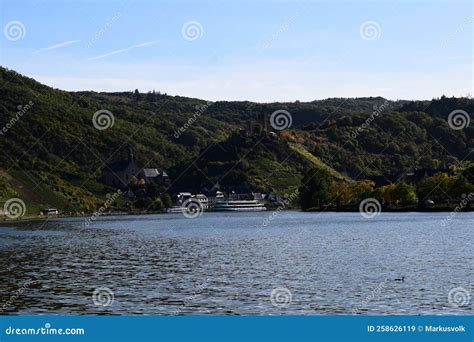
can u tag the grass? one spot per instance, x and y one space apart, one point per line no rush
272 174
316 161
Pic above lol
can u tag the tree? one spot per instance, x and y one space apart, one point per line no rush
315 189
166 199
151 96
403 193
147 203
136 95
460 187
157 204
257 128
154 189
436 187
385 193
396 193
341 192
361 190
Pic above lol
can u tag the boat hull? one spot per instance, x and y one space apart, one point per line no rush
241 205
240 209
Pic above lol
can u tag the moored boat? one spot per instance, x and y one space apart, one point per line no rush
239 205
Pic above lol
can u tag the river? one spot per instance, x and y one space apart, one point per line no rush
263 263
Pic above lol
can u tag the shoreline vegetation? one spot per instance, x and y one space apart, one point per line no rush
443 191
319 191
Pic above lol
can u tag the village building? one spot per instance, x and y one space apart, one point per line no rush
181 197
154 176
203 200
119 174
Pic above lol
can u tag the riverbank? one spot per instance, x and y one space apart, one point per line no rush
316 210
414 209
85 216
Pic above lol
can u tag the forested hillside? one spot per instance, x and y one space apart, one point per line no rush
53 155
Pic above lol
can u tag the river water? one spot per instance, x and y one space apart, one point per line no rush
282 263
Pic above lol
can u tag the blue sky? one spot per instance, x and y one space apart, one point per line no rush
245 50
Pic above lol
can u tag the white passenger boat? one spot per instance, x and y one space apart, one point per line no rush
239 205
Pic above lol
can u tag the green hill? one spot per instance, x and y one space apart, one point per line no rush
53 155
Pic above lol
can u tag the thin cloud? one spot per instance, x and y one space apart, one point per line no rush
57 46
116 52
